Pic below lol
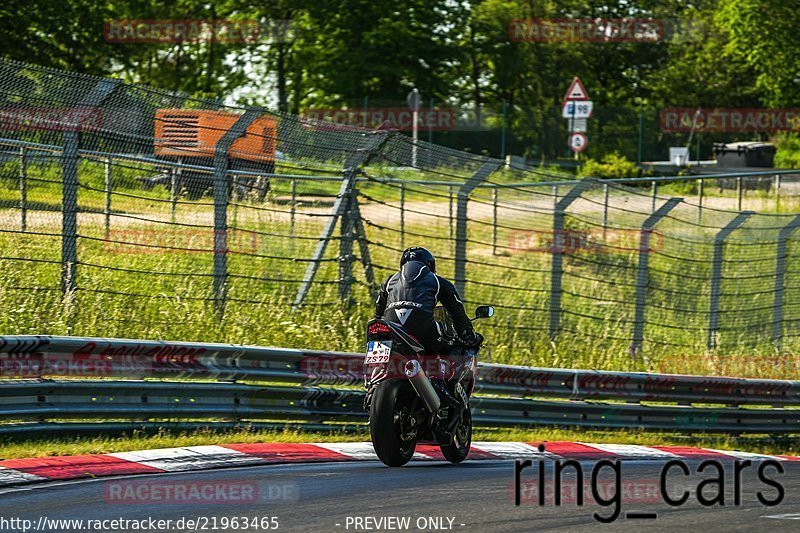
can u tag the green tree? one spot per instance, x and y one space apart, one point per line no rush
763 36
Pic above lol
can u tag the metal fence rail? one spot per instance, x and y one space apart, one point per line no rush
324 388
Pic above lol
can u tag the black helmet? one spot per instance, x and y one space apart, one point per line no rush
418 253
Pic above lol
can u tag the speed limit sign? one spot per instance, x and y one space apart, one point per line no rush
578 142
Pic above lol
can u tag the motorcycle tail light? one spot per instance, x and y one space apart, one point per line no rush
379 328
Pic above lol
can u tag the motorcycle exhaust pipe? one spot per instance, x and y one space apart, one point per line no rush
422 385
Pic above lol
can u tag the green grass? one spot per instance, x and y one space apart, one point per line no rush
55 446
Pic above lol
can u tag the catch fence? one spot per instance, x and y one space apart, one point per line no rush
130 211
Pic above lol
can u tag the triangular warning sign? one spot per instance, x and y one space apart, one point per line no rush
576 91
402 314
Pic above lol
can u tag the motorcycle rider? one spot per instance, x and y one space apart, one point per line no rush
409 298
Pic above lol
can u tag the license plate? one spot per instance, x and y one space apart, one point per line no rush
378 352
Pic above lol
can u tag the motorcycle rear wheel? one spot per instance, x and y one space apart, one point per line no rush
391 405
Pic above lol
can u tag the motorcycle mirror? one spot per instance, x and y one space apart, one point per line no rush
484 311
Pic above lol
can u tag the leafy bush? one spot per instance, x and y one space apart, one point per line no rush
788 154
612 165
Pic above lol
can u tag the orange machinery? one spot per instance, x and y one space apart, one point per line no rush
192 134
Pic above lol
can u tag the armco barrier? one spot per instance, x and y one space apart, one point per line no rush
159 383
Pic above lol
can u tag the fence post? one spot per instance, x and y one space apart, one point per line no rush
107 208
69 223
173 192
292 215
352 167
716 275
557 265
69 186
402 215
739 192
221 200
777 192
641 272
346 258
780 276
655 193
605 209
494 221
700 201
450 220
23 188
363 244
461 222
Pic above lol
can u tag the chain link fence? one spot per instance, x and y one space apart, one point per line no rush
128 211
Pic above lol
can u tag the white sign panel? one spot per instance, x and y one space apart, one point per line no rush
577 109
577 124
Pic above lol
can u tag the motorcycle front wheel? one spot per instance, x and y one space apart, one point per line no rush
458 449
391 424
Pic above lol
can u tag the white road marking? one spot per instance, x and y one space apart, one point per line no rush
362 451
747 455
9 476
511 450
633 450
787 516
188 458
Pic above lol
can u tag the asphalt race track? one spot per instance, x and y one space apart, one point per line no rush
434 496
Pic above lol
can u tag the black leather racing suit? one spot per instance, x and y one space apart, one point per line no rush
409 298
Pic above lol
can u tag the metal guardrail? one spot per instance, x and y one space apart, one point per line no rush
319 390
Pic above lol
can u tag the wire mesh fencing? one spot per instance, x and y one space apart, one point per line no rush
132 212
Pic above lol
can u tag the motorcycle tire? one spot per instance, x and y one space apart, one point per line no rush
389 400
458 449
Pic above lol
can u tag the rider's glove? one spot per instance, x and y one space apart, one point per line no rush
478 340
473 338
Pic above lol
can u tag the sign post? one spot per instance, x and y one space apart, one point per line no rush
577 109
